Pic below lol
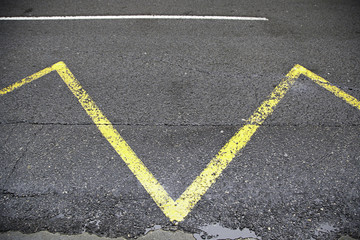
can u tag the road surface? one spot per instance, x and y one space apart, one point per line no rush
176 91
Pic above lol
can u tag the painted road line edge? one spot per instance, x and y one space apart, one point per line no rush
179 209
129 17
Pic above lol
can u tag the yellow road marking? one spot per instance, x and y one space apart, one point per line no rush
331 88
28 79
179 209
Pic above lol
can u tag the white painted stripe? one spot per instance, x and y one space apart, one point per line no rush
178 17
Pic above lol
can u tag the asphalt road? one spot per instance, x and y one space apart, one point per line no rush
177 91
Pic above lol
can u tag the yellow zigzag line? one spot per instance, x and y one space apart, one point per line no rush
179 209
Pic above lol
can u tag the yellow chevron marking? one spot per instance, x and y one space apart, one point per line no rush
179 209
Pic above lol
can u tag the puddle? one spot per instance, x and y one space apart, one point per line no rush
155 227
325 228
217 232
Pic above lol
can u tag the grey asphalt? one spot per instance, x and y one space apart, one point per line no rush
177 90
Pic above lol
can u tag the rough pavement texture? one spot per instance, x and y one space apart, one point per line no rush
177 91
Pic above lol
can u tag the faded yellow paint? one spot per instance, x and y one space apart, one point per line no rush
152 186
213 170
28 79
179 209
331 88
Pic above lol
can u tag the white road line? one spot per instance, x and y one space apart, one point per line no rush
118 17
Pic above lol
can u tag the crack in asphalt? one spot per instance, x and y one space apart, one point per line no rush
49 193
179 124
8 136
22 156
30 195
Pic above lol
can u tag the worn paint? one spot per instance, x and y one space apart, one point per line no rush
26 80
331 88
179 209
